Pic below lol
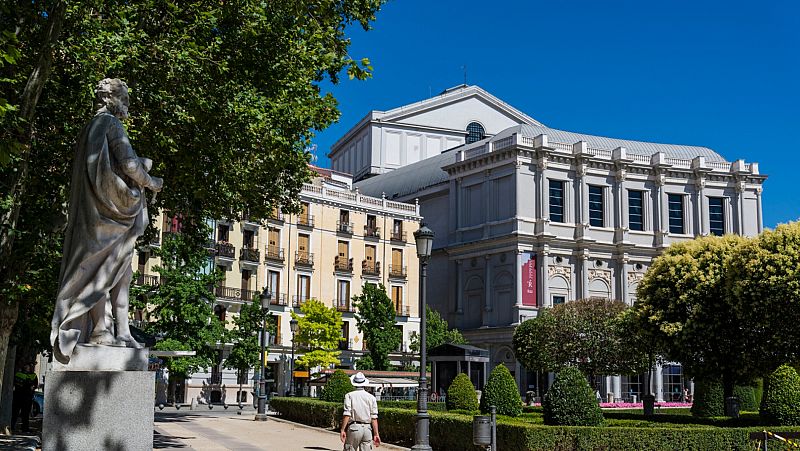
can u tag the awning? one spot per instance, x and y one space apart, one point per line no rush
379 382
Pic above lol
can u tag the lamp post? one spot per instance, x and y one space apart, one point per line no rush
293 327
261 415
424 239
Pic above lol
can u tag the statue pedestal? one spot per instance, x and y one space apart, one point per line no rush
101 400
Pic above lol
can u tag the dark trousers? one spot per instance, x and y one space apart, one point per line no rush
21 408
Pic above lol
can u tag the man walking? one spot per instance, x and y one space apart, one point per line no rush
360 421
25 382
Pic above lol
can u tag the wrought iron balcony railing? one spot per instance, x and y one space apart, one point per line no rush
398 235
397 271
403 310
372 232
235 293
304 258
344 227
250 254
305 221
225 250
370 268
344 305
299 299
274 253
343 264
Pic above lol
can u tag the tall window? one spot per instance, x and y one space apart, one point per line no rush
344 292
475 132
303 287
596 206
556 201
716 215
223 232
397 297
635 210
675 202
274 279
248 239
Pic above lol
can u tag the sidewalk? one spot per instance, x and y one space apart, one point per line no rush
240 433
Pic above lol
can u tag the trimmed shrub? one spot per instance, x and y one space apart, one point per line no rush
570 401
502 392
747 397
708 400
461 394
338 386
781 404
411 405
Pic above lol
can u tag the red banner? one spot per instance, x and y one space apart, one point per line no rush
529 280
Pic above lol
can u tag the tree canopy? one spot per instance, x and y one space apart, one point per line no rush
438 332
592 335
246 350
375 317
319 331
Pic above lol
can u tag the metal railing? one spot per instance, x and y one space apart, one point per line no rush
398 235
277 299
273 253
299 299
304 258
344 227
249 254
235 293
305 221
397 271
343 264
403 310
225 250
344 305
372 232
370 268
149 280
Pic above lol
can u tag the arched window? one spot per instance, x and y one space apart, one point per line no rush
475 132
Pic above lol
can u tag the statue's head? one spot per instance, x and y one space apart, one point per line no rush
111 95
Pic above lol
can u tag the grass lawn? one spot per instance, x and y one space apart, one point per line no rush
669 418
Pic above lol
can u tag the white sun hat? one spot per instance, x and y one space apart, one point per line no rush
358 380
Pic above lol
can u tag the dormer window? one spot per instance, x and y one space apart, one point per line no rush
475 132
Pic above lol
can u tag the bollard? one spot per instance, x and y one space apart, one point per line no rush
493 410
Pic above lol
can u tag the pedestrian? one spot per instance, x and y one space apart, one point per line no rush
25 382
360 420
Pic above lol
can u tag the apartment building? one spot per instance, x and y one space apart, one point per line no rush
340 241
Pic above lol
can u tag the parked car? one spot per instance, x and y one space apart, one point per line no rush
38 404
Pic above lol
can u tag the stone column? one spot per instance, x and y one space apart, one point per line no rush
659 379
584 268
518 273
740 190
760 220
700 206
487 286
661 225
622 275
544 278
616 382
459 288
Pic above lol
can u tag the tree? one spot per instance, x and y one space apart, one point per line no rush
376 319
461 394
180 309
246 350
686 304
338 386
570 401
225 99
319 333
501 391
438 332
592 335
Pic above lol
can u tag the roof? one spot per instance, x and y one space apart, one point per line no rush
602 142
409 179
454 350
423 174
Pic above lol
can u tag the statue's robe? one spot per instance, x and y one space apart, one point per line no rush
107 213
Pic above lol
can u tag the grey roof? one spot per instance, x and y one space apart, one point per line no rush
423 174
601 142
411 178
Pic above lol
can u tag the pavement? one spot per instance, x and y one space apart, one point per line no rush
226 430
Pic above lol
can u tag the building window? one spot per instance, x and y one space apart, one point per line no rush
716 215
556 201
475 132
675 202
223 233
397 299
274 284
559 300
344 293
303 287
596 206
635 210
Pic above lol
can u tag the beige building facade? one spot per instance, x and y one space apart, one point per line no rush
340 241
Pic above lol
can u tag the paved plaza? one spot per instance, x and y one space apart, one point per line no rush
225 430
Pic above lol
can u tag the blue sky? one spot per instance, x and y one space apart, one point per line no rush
725 75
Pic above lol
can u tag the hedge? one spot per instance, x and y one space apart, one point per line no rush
454 431
337 387
461 394
501 391
570 401
411 405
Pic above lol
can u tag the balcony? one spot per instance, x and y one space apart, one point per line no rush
249 255
344 227
403 310
398 235
225 250
147 280
305 221
344 305
303 258
274 253
343 264
299 299
237 294
278 299
372 232
370 268
276 216
346 344
397 271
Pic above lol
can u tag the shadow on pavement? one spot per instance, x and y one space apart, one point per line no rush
167 441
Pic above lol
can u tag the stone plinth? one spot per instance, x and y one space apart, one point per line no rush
88 357
97 409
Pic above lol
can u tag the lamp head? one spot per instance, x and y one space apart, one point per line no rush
424 239
265 297
293 325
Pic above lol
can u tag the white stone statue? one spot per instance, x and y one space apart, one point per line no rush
107 212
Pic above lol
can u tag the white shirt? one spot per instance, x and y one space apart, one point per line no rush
360 406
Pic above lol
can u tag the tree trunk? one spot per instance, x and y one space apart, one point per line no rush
28 101
731 406
7 388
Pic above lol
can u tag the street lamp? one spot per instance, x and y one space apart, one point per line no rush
265 297
293 327
424 239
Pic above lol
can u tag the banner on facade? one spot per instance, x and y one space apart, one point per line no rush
529 280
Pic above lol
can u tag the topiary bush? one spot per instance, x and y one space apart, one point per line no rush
781 403
747 397
708 399
570 401
461 394
502 392
338 386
